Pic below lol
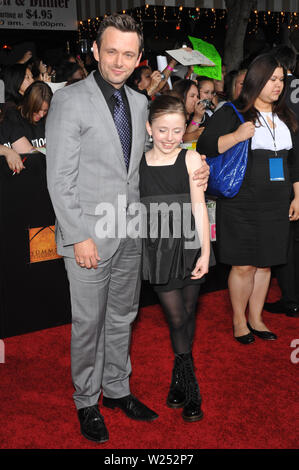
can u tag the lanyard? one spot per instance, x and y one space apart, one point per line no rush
272 133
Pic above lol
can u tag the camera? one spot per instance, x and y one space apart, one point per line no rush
208 104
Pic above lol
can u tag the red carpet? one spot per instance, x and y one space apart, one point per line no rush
250 393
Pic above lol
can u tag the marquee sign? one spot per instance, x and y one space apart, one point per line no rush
38 14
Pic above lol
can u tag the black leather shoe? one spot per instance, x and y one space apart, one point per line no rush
245 339
262 334
289 309
132 407
92 424
192 406
192 409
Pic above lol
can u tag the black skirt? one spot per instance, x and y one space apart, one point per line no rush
171 248
252 228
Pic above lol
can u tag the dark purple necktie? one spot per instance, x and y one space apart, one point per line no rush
121 120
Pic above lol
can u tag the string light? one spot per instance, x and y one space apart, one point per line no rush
165 14
223 15
139 17
277 24
265 18
215 19
164 19
198 13
178 26
155 17
256 22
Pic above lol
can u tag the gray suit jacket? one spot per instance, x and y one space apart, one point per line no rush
85 163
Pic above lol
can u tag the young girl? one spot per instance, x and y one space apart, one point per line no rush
174 268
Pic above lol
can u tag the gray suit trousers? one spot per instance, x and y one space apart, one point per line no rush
104 305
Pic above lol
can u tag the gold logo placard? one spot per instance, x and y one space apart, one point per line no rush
42 244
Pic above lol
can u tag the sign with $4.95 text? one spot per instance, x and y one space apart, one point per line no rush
38 14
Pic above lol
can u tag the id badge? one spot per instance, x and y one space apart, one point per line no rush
276 169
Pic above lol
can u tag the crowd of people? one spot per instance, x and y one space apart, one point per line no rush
113 128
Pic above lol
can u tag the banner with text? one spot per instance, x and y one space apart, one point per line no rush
42 244
38 14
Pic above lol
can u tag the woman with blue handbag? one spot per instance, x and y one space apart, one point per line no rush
253 221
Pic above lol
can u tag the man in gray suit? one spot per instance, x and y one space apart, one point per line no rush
95 139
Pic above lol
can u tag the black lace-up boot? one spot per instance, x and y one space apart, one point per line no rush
192 406
176 396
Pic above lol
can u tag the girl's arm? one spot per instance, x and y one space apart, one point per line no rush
294 207
200 213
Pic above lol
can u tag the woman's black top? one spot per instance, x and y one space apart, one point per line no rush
14 126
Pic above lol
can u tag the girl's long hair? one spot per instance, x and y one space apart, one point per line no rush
33 98
181 88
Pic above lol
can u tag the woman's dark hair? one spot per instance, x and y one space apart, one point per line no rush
229 81
135 78
181 88
65 71
33 98
13 77
201 79
285 56
258 74
35 69
166 104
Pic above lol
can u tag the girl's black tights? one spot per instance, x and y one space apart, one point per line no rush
179 306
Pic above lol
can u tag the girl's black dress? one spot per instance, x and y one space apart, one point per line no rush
167 262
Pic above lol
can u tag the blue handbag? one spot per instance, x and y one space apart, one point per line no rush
227 170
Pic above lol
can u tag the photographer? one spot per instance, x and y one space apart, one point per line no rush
207 93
